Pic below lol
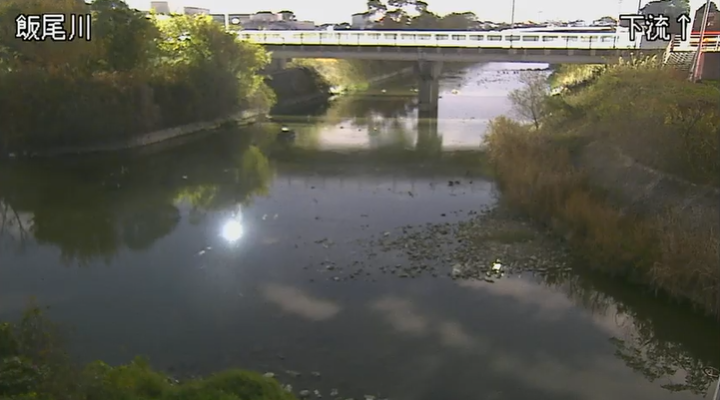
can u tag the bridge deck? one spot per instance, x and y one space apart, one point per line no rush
454 54
464 46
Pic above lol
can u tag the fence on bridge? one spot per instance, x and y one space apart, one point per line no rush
489 39
497 39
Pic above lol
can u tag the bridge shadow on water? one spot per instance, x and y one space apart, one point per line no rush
176 291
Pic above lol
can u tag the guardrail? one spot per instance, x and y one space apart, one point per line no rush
487 39
709 43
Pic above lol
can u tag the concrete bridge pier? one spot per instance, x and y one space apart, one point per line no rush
428 84
277 64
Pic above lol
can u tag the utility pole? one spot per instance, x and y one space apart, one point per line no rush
512 15
699 56
512 23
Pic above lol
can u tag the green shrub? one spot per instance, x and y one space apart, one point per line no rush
18 375
29 370
245 385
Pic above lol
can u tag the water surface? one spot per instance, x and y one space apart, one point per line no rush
234 251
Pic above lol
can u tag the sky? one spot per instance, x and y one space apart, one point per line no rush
324 11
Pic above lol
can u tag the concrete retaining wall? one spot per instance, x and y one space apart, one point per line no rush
154 137
299 89
636 188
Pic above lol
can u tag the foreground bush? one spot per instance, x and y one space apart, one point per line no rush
33 366
672 128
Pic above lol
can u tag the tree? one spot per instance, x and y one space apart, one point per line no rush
48 52
395 14
670 8
126 37
459 21
530 101
426 20
198 40
415 14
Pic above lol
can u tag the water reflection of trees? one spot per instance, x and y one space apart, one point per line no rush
387 115
12 226
662 342
92 208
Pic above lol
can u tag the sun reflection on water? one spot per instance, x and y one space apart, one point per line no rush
232 230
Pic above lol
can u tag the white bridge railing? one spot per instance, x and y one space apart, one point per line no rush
487 39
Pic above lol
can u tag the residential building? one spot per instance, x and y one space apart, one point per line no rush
265 16
195 10
605 21
238 20
303 25
286 15
160 7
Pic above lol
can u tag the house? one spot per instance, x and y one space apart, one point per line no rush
363 20
303 25
238 20
195 11
289 26
286 15
605 21
160 7
265 16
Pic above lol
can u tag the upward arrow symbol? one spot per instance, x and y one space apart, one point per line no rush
684 21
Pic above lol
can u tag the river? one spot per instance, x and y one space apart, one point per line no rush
326 261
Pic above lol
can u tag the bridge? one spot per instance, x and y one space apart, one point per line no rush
455 46
431 48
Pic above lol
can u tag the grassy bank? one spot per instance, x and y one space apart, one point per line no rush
670 127
33 365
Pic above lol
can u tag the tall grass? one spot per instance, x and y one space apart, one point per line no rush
671 127
655 115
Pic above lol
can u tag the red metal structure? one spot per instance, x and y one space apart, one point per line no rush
712 25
